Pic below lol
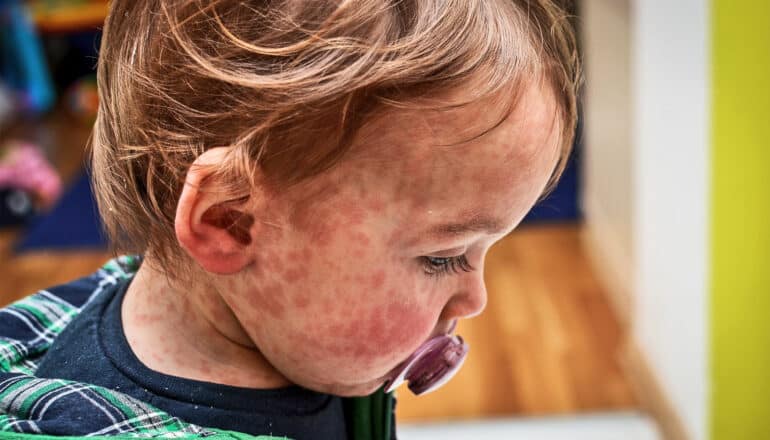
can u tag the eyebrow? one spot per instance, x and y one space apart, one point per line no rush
474 224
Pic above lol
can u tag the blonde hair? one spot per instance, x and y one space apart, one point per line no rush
287 84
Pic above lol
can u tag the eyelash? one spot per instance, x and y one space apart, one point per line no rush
446 265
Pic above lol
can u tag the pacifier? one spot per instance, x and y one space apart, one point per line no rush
432 365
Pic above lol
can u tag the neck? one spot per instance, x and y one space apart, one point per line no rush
189 332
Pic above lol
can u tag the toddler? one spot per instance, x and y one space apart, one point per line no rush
312 187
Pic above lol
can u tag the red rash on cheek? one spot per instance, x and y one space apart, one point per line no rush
359 244
269 300
404 323
369 336
361 239
376 280
294 275
301 301
324 236
272 262
374 331
376 205
327 307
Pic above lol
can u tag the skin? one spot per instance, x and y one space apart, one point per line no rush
329 288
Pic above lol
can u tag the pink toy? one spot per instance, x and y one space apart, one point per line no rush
23 166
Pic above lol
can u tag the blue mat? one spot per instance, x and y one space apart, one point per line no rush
72 224
561 205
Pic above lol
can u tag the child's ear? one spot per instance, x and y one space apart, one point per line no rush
215 232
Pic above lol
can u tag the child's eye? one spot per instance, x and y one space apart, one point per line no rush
436 266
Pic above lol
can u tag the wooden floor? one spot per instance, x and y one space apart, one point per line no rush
548 342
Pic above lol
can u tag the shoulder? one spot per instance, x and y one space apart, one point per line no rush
29 326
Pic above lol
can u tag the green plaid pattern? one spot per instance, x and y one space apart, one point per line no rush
33 408
41 317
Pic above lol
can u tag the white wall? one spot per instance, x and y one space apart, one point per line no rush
646 182
671 159
607 166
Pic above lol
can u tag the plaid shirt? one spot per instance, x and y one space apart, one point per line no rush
34 408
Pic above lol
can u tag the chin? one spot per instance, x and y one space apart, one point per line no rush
346 390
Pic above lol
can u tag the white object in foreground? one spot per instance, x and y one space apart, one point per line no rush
603 426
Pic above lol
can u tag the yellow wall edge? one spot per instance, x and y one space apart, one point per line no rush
740 220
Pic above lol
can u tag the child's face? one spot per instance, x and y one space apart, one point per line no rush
343 292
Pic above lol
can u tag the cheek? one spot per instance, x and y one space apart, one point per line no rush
370 324
267 292
372 335
339 310
338 317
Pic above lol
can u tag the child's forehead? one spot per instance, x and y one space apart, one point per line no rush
470 129
415 149
419 154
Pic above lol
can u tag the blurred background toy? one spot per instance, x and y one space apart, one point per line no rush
15 207
48 54
23 167
23 66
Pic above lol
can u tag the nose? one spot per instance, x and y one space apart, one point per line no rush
468 300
